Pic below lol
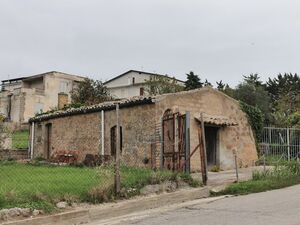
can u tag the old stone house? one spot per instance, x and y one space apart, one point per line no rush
158 131
21 98
131 83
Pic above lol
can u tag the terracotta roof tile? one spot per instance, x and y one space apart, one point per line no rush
217 120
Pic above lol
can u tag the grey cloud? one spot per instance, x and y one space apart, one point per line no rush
216 39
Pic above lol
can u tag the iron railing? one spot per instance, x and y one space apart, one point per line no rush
279 142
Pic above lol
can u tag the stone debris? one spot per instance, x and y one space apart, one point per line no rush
7 214
150 189
62 205
167 186
4 214
26 212
35 212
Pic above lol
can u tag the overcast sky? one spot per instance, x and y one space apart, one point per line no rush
217 39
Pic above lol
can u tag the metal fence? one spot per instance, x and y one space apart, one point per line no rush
280 142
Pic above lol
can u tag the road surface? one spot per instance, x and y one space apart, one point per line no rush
277 207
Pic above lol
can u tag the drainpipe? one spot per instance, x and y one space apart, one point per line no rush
102 132
32 139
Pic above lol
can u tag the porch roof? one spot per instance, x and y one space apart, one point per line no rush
217 120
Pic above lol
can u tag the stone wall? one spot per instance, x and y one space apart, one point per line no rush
138 132
75 133
231 138
13 154
141 129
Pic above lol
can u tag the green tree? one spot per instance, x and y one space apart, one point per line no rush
284 91
192 81
220 85
207 83
294 120
253 79
158 84
90 92
252 92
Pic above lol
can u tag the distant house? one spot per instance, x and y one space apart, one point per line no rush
21 98
131 83
162 129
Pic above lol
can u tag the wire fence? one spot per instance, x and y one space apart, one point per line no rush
280 142
71 176
14 140
74 176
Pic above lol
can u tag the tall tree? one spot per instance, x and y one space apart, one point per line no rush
252 91
220 85
89 92
253 79
207 83
192 81
284 91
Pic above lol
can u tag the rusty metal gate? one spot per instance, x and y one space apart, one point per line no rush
173 130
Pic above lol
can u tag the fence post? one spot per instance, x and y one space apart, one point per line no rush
264 162
32 141
204 162
236 166
117 160
187 143
162 144
288 143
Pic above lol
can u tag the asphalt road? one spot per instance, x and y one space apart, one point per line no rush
277 207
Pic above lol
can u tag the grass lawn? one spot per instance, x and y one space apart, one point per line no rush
20 139
41 186
283 175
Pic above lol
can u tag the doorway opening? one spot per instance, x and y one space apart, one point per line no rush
211 139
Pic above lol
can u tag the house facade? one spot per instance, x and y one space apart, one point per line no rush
131 83
157 132
22 98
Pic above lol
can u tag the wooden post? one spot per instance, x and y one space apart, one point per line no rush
162 145
204 172
117 160
187 143
32 141
264 163
236 167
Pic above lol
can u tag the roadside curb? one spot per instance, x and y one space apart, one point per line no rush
118 209
65 218
146 213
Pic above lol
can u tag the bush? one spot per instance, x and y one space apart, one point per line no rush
283 175
255 118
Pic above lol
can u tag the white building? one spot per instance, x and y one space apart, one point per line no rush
21 98
131 83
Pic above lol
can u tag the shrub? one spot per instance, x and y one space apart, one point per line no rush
255 118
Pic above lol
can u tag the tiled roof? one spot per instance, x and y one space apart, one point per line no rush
140 100
217 120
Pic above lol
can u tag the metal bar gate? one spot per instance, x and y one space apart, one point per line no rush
280 142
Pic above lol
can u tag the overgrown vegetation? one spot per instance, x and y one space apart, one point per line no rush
158 84
42 186
20 139
283 175
278 98
255 118
90 92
